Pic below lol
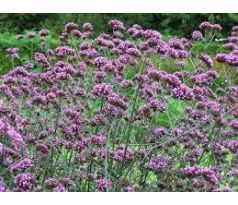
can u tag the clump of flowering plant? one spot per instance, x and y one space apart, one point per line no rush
122 111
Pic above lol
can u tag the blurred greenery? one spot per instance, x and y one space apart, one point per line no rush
26 46
175 24
169 25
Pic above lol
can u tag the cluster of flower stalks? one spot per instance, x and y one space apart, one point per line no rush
123 111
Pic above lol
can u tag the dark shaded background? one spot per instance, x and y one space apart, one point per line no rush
174 24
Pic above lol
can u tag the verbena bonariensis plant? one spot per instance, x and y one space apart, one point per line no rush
125 111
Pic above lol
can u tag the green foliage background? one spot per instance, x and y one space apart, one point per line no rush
175 24
181 25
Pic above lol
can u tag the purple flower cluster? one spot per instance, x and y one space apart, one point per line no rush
116 25
197 36
41 59
2 186
44 32
205 78
71 26
103 184
16 138
157 164
211 175
24 181
64 51
121 155
22 165
31 34
102 89
87 27
12 53
231 59
183 92
207 60
207 26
